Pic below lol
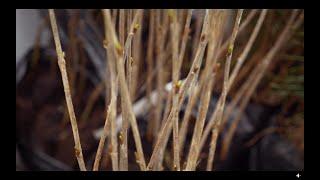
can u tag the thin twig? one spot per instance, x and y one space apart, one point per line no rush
210 67
184 38
206 82
111 112
234 72
124 132
124 92
62 67
175 77
240 62
256 77
192 75
220 108
204 104
243 25
161 31
151 124
136 53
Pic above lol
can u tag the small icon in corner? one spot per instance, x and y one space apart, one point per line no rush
298 175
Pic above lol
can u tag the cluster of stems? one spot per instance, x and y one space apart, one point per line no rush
194 63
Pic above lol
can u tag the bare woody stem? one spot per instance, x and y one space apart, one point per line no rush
204 104
247 48
254 80
240 62
205 85
111 113
220 107
134 26
243 25
184 38
191 77
113 105
175 77
124 92
111 66
136 52
208 73
62 67
151 124
161 31
212 123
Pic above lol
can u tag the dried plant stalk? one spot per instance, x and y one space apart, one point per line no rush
220 107
210 68
62 67
167 44
122 26
194 147
113 105
123 136
181 56
206 82
134 27
150 68
236 69
129 20
217 124
184 38
111 113
124 131
160 121
136 53
255 78
212 149
196 37
128 61
243 25
189 84
240 62
247 48
124 92
114 16
174 27
186 117
192 75
161 31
